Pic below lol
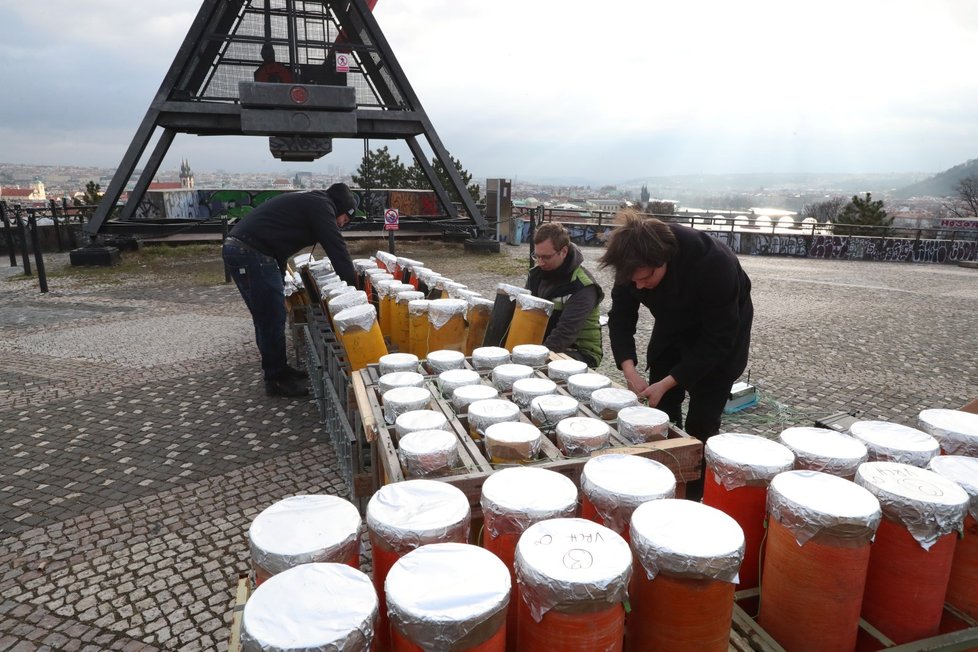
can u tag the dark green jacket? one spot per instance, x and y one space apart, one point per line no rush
576 297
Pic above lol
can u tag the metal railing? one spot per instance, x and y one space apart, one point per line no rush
748 223
21 233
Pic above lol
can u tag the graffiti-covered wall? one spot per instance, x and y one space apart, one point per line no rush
204 203
817 246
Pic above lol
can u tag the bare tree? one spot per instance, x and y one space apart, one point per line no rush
659 207
825 211
967 201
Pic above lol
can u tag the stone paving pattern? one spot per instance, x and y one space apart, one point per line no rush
136 442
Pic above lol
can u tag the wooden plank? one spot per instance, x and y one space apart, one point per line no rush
759 639
367 416
965 639
469 450
241 594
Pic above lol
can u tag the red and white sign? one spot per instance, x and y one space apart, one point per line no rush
392 219
342 62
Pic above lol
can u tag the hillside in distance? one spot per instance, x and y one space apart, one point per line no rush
802 182
941 184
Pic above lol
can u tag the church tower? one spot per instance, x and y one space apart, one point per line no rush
186 176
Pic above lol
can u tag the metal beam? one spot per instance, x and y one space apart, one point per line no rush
397 74
146 177
422 159
148 125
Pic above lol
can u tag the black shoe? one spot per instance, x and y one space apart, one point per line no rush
298 374
290 387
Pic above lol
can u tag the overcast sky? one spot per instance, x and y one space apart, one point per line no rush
550 88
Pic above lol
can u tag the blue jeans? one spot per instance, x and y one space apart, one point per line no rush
260 283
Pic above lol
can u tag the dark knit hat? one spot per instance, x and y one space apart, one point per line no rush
345 200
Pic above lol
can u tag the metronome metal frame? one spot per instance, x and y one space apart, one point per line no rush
268 67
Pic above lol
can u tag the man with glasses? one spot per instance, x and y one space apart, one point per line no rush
255 254
559 276
699 295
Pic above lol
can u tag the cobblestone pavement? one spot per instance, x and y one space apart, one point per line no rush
136 442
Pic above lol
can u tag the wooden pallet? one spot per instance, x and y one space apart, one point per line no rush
680 452
242 592
958 632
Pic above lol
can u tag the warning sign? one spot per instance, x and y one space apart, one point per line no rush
391 219
342 62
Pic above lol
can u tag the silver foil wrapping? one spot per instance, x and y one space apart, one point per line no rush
513 499
640 424
926 503
344 301
567 561
512 291
964 471
339 291
407 296
383 288
468 394
513 442
409 514
688 539
441 310
418 307
739 459
489 357
505 375
581 386
527 389
532 355
420 420
561 370
892 442
455 289
390 381
398 362
581 436
552 409
809 503
439 595
428 452
444 359
608 401
483 414
955 430
360 317
311 608
304 529
401 400
529 302
449 381
617 484
828 451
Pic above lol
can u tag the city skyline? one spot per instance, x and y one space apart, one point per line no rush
520 90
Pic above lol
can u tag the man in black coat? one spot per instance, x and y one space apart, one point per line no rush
699 297
255 254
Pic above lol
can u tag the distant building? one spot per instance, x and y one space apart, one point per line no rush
166 185
186 176
35 193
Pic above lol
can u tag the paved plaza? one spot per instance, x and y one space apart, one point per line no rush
137 444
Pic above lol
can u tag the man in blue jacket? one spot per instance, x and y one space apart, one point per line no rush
699 297
255 254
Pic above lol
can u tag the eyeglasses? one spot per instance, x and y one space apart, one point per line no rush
546 257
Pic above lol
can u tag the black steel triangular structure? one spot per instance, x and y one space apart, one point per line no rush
269 68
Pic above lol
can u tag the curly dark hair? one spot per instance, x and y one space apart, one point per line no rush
637 241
